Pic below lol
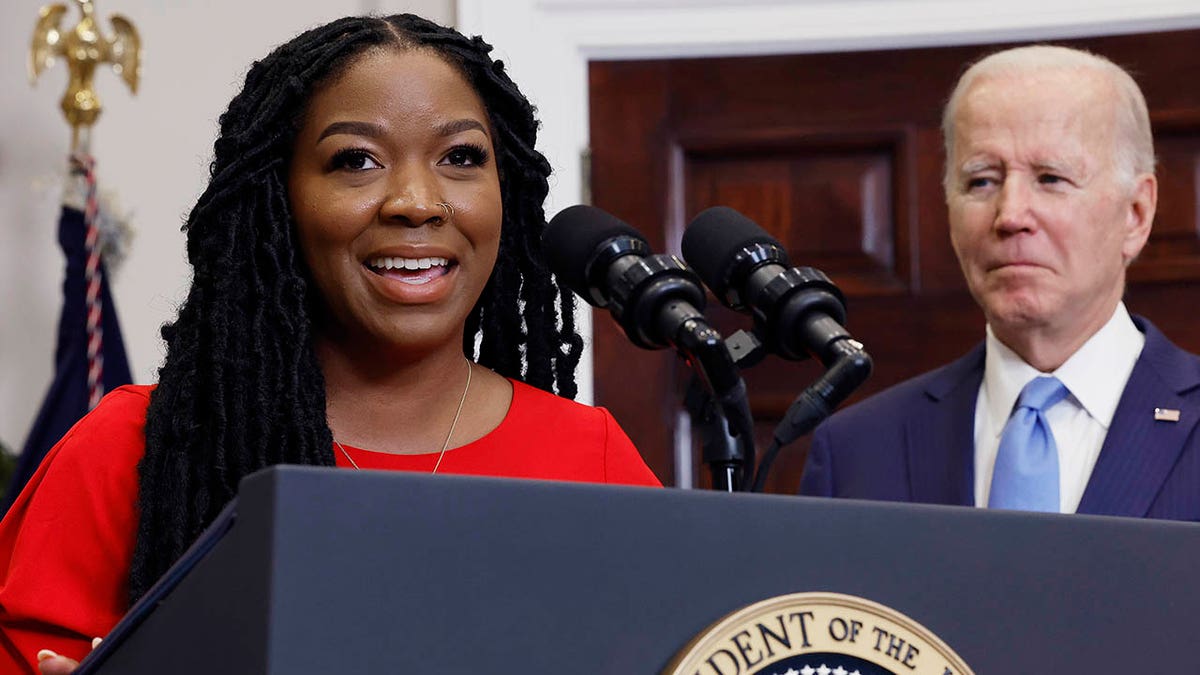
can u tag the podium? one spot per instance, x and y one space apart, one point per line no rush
333 571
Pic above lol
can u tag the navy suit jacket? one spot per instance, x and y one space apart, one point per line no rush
915 441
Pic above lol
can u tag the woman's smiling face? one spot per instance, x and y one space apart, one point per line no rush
381 147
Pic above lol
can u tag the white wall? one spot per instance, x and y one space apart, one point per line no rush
151 149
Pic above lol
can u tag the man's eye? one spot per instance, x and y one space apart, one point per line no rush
354 160
977 182
1050 179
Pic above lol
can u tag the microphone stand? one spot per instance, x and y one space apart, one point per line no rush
717 397
847 366
719 449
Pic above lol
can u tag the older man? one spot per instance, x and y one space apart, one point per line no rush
1070 404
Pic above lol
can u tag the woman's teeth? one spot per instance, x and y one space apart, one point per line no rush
411 271
407 263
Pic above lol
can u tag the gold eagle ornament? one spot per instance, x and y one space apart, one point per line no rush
84 48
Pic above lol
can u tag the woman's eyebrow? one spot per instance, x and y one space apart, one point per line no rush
460 125
356 128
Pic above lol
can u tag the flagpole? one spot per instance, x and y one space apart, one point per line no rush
81 140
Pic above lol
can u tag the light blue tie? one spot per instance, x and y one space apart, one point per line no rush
1026 472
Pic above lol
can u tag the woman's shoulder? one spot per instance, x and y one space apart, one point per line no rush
91 472
551 411
123 403
121 415
530 396
596 441
109 439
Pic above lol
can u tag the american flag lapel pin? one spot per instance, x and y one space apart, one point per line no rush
1166 415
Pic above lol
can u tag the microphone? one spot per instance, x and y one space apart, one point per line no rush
655 298
797 311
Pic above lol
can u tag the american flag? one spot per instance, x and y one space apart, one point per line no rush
89 358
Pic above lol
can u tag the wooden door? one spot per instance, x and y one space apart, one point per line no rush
839 156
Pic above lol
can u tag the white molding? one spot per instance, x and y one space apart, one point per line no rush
683 28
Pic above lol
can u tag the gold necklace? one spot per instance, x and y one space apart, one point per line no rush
449 434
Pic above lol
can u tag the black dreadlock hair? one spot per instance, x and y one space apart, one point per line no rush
241 388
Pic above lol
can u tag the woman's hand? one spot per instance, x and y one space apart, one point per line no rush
50 663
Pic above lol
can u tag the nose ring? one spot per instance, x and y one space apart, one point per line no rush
448 209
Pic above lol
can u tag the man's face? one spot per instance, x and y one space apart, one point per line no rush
1040 217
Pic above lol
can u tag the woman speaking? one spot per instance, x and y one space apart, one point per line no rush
368 292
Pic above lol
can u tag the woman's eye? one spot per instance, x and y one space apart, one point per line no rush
354 160
466 155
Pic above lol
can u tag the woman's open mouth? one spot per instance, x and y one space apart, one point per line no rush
413 271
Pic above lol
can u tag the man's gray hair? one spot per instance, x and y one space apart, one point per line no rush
1134 154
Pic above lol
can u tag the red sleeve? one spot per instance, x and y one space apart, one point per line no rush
67 542
623 464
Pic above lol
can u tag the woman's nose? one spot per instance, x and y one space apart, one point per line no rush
414 199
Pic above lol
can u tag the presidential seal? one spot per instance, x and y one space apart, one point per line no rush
817 634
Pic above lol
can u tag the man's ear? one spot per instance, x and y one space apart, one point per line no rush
1140 215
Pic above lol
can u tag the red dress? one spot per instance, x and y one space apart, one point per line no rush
66 547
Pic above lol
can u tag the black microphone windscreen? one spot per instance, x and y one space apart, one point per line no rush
572 237
714 238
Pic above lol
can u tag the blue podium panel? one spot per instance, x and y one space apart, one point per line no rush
331 571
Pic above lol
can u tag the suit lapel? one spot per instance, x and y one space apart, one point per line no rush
940 436
1139 451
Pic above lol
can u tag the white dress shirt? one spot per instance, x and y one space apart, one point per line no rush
1095 376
